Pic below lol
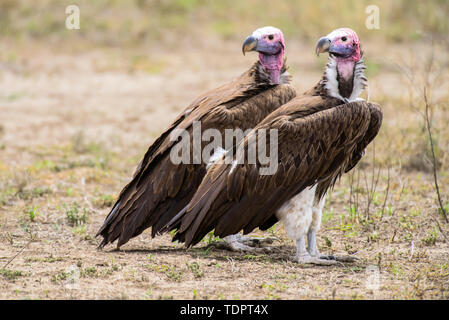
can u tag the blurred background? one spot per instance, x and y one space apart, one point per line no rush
79 108
141 22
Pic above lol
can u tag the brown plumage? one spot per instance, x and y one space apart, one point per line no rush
320 136
159 188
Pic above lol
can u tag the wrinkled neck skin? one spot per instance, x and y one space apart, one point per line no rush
345 79
273 65
345 69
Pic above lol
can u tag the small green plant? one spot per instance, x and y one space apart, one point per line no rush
174 274
195 268
328 242
395 269
59 277
171 272
76 215
272 230
80 230
32 213
431 239
90 272
210 238
327 215
446 210
49 259
11 274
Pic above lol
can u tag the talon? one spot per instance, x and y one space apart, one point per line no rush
308 259
329 257
339 258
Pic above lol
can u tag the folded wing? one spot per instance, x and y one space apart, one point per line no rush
316 141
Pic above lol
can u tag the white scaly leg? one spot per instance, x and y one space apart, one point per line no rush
296 215
311 236
303 256
317 212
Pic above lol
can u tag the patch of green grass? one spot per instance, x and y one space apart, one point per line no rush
431 239
446 211
80 230
112 267
396 270
407 222
327 215
76 215
373 237
50 259
34 193
89 272
45 164
104 201
15 96
195 268
172 273
328 242
11 274
60 276
272 289
255 257
210 238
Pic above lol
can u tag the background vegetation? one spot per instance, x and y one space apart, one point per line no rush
78 109
121 22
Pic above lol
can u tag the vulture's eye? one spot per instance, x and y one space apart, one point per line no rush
271 37
344 39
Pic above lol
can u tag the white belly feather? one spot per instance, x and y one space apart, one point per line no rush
297 213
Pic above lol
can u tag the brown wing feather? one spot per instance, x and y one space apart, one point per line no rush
159 188
371 133
316 138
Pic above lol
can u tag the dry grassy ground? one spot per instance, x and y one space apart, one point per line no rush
74 125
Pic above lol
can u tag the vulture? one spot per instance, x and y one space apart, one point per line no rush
161 187
321 134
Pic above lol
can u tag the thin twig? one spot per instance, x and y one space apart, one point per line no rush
435 176
386 194
439 228
25 246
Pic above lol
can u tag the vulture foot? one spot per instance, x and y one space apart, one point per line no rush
308 259
237 242
339 258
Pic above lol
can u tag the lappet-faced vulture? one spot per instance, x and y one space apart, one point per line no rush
161 187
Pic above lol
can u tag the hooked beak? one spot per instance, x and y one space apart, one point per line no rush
322 45
250 44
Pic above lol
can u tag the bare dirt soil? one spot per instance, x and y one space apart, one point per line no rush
74 125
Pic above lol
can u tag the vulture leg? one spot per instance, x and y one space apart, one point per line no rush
303 256
317 212
311 236
237 242
298 216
